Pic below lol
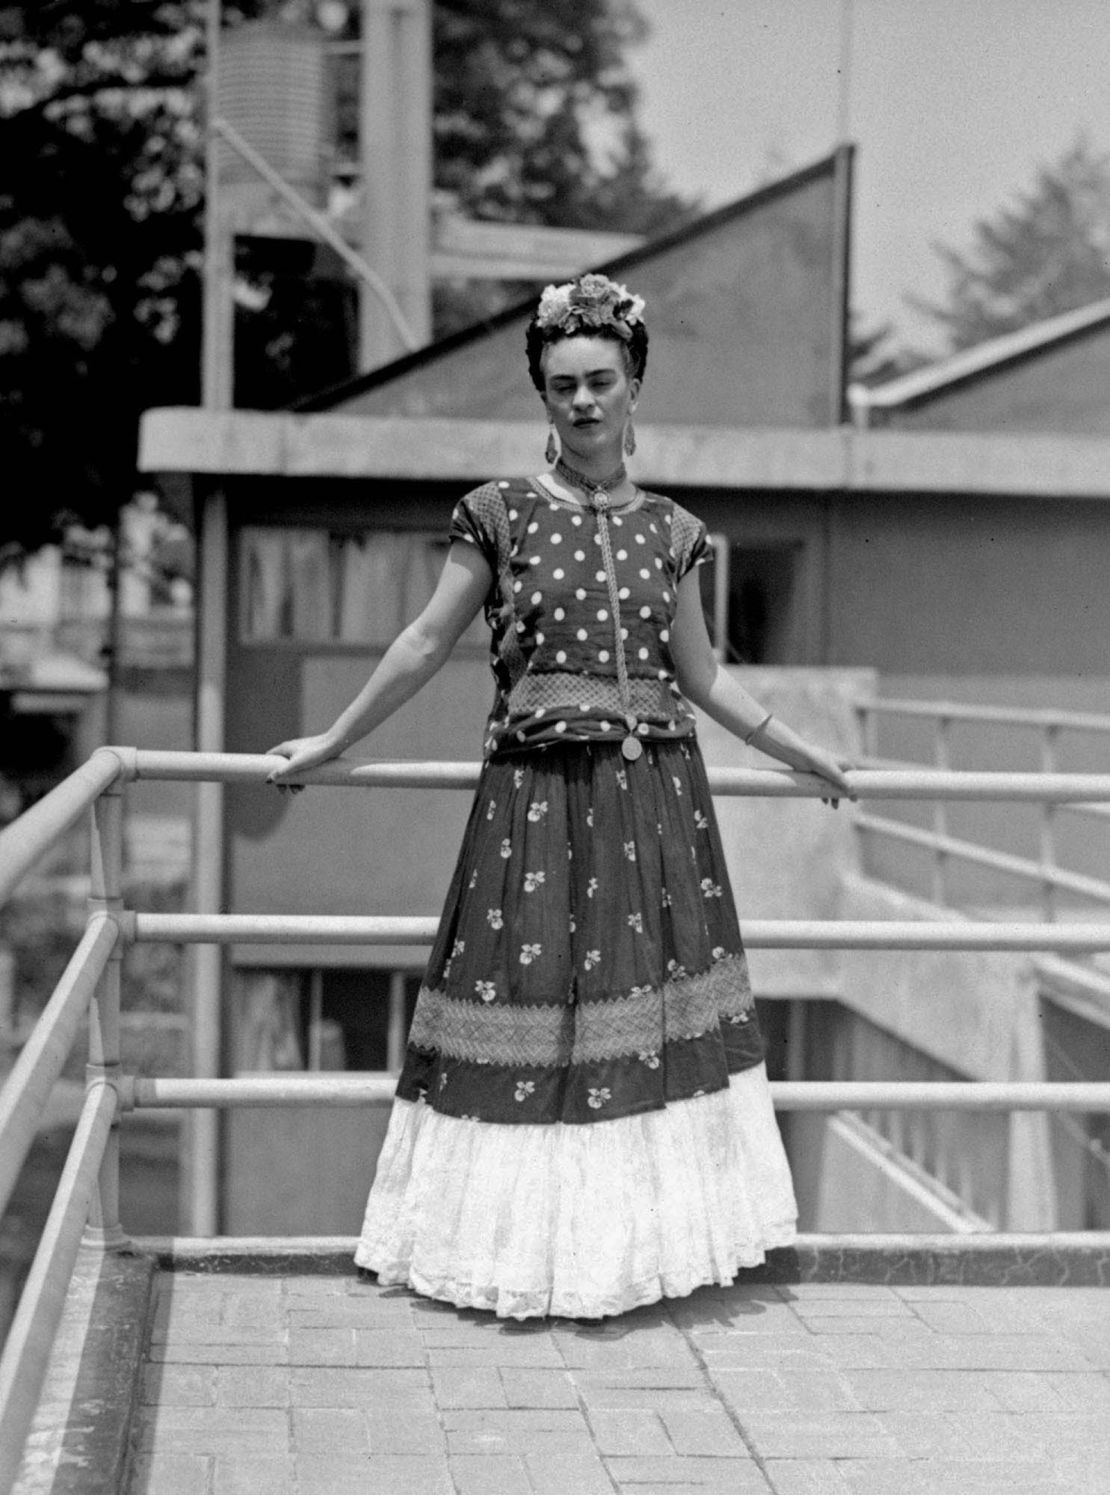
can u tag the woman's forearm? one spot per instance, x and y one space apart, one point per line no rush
728 703
407 665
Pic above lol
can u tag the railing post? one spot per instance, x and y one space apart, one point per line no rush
1048 825
942 759
106 895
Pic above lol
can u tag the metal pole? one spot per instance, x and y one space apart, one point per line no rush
942 760
202 1153
395 129
106 896
217 326
1048 825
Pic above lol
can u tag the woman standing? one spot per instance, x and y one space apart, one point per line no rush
583 1123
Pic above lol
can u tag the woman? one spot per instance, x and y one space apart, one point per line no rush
583 1123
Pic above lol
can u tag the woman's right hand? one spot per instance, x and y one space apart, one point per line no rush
302 753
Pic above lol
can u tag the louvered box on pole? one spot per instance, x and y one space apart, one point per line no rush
273 90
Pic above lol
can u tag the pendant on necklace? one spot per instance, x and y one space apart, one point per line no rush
632 748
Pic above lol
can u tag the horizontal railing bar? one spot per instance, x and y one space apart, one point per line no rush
983 856
1041 717
254 768
27 839
43 1056
31 1337
788 1095
759 934
269 1090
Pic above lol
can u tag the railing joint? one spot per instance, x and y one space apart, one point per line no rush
127 761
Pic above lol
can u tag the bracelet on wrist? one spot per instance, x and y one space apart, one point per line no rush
755 731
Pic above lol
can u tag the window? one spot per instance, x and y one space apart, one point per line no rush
307 585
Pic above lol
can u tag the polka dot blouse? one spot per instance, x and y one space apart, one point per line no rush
556 615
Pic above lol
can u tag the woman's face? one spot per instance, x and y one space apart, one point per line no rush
588 394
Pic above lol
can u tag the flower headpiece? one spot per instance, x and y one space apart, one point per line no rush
590 301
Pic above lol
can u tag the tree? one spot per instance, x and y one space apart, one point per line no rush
1046 252
102 194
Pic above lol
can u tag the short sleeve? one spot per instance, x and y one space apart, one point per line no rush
691 541
474 521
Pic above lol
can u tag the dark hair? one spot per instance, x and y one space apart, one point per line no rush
634 348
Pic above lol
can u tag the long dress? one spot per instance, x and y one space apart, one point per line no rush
583 1123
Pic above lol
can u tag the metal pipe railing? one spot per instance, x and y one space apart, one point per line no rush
27 839
31 1337
787 1095
926 784
1016 716
759 934
983 856
43 1056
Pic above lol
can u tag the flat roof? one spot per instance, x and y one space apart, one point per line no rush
241 443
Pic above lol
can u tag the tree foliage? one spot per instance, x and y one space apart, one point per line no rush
1045 252
102 193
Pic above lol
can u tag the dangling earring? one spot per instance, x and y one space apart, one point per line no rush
629 440
550 451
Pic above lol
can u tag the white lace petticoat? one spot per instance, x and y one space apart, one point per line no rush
579 1221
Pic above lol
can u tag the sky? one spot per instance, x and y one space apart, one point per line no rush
952 105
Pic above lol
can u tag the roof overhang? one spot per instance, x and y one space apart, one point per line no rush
406 448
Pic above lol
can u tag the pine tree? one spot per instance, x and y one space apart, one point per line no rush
1047 251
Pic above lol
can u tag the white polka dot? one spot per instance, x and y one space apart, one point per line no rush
539 638
579 555
582 635
553 506
642 654
597 539
666 596
559 574
622 555
602 614
560 726
561 657
539 711
536 597
576 519
640 540
533 560
664 634
518 586
583 707
581 594
666 518
529 494
601 576
658 563
532 528
502 485
520 628
645 612
624 594
556 539
624 633
653 529
603 655
513 514
617 519
646 574
559 614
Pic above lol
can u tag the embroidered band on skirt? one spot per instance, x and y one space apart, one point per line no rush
586 1024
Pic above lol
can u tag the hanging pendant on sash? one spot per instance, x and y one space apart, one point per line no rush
631 747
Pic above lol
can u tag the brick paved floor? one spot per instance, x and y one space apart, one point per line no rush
320 1385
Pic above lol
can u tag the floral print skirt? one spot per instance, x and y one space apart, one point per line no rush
585 1032
589 962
